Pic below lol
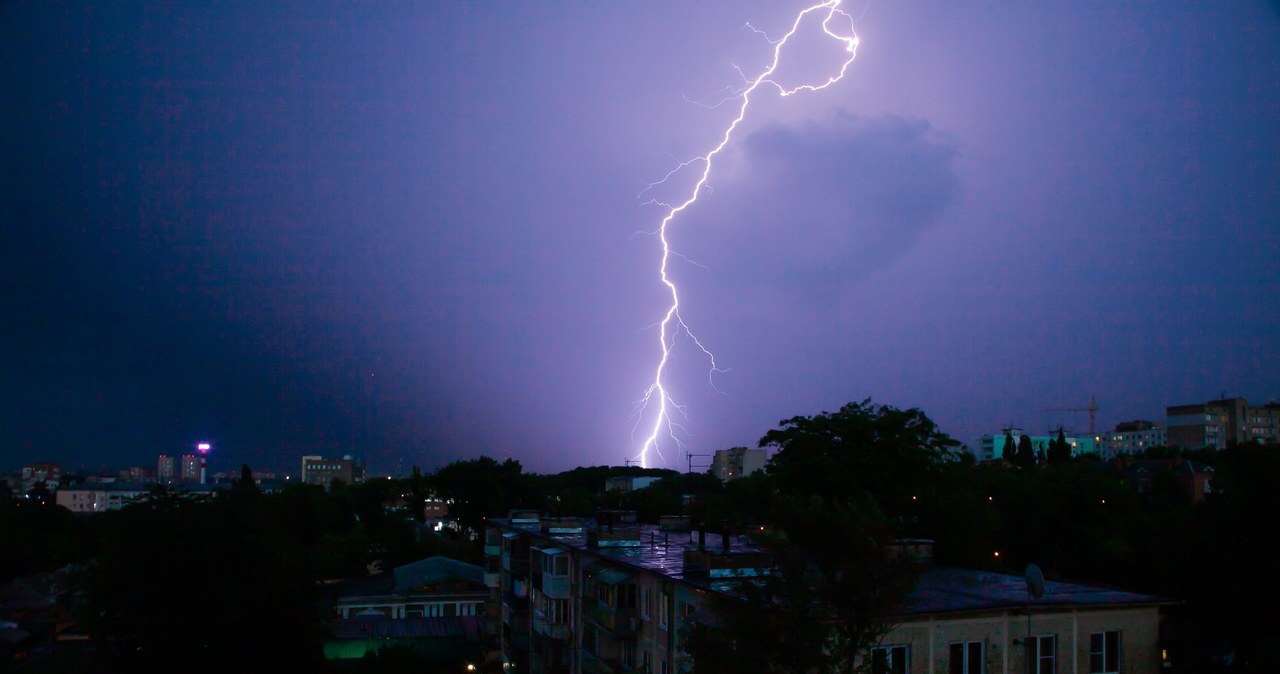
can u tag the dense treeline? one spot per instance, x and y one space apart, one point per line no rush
238 575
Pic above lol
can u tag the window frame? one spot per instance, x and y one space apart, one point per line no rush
891 664
967 655
1104 647
1041 657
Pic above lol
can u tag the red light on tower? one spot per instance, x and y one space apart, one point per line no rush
203 449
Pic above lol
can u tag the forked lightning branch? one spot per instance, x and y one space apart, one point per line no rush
836 24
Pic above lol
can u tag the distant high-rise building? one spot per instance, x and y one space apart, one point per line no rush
166 470
731 464
191 468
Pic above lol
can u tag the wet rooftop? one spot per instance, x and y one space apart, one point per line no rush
949 590
938 589
659 550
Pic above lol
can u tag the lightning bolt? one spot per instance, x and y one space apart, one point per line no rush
833 19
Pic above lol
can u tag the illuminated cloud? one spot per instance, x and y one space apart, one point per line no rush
824 204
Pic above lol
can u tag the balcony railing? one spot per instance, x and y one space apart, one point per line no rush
621 623
550 631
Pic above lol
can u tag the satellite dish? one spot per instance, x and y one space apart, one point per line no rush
1035 581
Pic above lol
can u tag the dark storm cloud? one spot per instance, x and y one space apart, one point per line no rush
402 230
818 206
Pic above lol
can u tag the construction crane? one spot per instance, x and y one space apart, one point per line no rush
1092 409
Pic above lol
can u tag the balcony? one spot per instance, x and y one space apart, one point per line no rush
597 665
555 587
621 623
556 632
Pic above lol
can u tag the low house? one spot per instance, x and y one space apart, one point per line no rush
964 621
434 605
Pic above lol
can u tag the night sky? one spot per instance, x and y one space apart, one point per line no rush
410 231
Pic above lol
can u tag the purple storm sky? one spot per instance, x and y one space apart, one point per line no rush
409 231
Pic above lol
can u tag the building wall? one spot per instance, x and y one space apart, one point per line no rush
1115 443
48 473
191 468
96 500
321 471
992 447
600 635
1217 423
1001 635
738 462
166 469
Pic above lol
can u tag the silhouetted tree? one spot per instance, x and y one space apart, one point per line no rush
843 486
210 586
1059 450
483 487
1026 457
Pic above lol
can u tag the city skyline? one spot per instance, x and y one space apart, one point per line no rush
411 233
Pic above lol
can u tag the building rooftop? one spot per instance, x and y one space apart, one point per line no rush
658 550
434 569
953 590
467 627
938 589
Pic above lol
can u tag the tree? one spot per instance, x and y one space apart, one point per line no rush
482 488
1059 450
1026 456
1010 447
216 586
842 494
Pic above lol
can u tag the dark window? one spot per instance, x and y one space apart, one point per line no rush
626 596
889 660
966 658
1046 654
1104 653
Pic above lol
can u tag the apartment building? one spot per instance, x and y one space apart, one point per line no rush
1218 423
1131 437
738 462
993 447
613 596
321 471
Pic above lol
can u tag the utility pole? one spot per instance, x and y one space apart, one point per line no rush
690 457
